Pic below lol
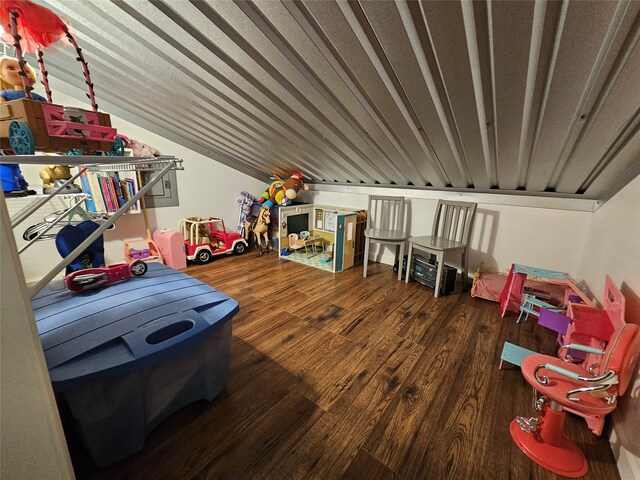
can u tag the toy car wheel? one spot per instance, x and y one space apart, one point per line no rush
21 138
239 248
203 256
139 268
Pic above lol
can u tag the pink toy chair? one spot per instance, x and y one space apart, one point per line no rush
293 242
594 326
586 389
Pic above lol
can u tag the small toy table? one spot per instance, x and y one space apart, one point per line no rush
314 241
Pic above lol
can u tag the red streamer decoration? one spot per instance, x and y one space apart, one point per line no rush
38 26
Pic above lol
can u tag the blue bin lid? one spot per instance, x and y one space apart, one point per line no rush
126 326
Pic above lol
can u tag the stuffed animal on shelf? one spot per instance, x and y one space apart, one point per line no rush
139 149
53 176
281 193
11 85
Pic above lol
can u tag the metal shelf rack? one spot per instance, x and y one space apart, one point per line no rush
161 165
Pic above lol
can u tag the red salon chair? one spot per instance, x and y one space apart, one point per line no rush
592 389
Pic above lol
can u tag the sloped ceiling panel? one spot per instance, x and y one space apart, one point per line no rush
541 98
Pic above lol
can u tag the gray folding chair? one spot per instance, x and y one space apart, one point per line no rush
385 224
450 234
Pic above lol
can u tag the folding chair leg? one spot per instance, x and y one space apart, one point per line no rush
400 260
465 270
409 257
366 257
440 258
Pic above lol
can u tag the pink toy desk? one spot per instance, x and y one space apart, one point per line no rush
511 296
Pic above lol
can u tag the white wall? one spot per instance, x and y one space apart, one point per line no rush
502 234
613 247
206 188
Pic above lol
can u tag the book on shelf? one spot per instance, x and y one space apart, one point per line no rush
115 203
115 180
84 181
105 184
124 188
132 191
95 191
108 191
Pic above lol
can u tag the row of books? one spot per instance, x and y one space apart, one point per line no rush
108 191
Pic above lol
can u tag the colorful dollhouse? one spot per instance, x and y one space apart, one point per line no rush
322 236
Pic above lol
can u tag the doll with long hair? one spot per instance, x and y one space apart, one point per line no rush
11 86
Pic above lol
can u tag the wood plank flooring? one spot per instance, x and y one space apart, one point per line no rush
340 377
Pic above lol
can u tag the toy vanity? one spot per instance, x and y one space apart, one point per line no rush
125 357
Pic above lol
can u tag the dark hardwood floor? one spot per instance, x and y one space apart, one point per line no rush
344 377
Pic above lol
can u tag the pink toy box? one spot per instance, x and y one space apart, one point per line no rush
171 246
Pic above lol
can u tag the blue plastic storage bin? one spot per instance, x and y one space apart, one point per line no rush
125 357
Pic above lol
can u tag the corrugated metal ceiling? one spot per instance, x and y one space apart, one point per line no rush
518 96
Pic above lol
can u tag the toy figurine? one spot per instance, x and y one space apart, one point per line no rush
12 88
11 85
259 227
245 203
53 176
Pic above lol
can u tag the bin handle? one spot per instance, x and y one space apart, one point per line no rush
165 333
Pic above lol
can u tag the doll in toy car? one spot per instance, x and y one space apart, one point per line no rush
11 85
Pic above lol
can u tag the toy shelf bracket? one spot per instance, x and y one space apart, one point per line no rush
78 199
29 209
